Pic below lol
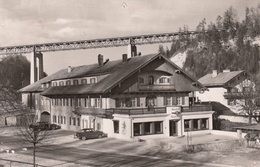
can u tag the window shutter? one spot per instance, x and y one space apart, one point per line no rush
138 101
183 100
174 101
164 101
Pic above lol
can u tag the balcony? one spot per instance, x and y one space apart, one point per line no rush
137 111
197 108
236 95
155 87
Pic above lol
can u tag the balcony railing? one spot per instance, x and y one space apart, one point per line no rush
197 108
237 95
137 111
155 87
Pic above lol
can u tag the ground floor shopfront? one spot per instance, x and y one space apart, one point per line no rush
125 127
168 122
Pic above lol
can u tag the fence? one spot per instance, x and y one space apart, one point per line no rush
13 163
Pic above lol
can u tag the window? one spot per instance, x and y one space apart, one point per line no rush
116 126
147 128
163 80
79 102
42 101
61 119
54 83
64 120
83 81
68 82
151 80
204 123
158 127
167 101
128 102
74 121
54 118
36 102
178 100
140 80
69 102
138 102
78 121
87 101
53 102
93 80
195 123
70 120
75 82
97 102
61 83
187 125
133 102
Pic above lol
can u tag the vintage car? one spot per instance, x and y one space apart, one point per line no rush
44 126
89 133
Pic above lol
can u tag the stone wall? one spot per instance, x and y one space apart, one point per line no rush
216 146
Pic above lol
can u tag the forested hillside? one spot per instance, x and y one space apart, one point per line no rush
226 43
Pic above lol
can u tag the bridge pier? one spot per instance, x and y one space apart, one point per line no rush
131 50
36 67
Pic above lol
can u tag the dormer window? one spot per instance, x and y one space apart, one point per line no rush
164 80
151 80
83 81
68 82
54 83
61 83
93 80
75 82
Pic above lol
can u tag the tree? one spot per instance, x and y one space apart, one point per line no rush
29 131
14 74
249 98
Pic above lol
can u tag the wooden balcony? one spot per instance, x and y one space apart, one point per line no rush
197 108
155 87
137 111
236 95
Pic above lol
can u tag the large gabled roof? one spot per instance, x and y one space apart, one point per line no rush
220 80
117 71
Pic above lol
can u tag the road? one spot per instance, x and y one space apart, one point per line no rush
97 152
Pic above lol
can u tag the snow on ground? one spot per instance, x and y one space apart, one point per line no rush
179 59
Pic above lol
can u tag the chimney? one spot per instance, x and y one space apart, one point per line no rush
214 73
124 58
227 70
100 60
69 69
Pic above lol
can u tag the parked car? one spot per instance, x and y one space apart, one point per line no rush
54 126
40 126
44 126
89 133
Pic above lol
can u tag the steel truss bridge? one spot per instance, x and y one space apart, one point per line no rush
97 43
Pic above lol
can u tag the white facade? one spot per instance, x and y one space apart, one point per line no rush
213 94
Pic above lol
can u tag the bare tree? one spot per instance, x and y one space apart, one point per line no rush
248 98
30 131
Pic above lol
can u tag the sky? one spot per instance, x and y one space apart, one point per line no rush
43 21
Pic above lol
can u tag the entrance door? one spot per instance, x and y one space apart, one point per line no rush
173 127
